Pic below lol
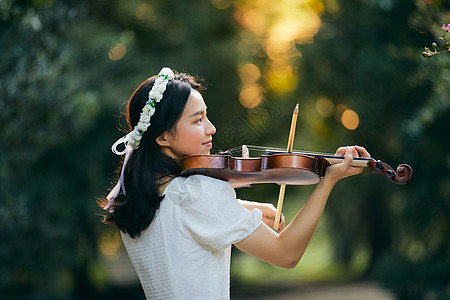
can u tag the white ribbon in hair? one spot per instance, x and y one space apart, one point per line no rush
120 183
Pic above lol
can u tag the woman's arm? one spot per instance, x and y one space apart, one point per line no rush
286 248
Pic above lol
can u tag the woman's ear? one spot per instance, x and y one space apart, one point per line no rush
163 139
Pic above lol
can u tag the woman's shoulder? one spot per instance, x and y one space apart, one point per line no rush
201 181
193 188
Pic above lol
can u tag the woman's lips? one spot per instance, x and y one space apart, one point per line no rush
208 144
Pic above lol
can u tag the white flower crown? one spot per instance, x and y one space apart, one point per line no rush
133 139
155 95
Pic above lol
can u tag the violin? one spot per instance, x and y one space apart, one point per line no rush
281 167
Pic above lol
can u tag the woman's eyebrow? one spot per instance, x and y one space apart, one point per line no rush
200 112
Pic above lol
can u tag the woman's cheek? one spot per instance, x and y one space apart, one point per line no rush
194 139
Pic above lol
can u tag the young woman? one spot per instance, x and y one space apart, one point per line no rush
178 231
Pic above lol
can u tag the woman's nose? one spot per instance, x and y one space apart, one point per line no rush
210 130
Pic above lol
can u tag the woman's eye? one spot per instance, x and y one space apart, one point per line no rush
199 120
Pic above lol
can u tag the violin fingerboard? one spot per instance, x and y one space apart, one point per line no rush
355 163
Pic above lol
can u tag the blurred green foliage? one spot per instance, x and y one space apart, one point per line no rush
61 92
372 65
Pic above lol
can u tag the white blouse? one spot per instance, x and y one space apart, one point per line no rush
185 253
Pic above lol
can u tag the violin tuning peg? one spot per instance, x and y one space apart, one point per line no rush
379 165
390 174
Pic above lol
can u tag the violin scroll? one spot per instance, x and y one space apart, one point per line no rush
402 175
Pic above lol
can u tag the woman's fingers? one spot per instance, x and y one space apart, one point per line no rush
268 210
268 221
348 158
357 151
341 151
282 223
362 151
344 169
271 222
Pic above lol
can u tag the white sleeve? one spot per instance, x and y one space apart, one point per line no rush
208 211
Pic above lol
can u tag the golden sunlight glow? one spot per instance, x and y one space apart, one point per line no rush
250 95
281 78
286 30
324 107
350 119
301 29
308 28
249 73
278 50
272 31
117 52
253 19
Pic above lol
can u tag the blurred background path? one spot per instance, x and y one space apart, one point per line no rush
325 291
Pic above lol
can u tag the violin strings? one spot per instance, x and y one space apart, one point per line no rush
266 149
281 150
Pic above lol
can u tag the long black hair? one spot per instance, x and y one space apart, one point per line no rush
148 166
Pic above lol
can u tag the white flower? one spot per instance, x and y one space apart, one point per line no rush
158 81
149 110
156 95
136 135
160 88
145 118
132 141
142 126
167 72
146 109
134 138
152 94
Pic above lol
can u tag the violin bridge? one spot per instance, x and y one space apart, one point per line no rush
245 152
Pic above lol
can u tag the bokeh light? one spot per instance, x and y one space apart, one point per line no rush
252 19
249 73
117 52
221 4
338 111
281 78
127 36
324 107
280 51
250 95
109 245
272 33
350 119
145 12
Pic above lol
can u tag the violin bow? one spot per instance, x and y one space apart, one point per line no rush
283 186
